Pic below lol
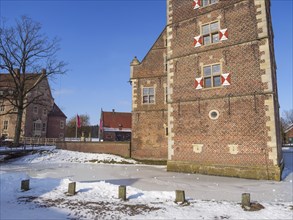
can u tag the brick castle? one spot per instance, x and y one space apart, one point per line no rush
205 97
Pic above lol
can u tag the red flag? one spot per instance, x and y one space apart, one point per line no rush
78 121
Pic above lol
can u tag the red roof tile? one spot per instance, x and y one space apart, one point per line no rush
116 119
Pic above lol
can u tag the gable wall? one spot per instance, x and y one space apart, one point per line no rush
149 121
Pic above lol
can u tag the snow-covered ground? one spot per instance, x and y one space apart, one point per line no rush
150 190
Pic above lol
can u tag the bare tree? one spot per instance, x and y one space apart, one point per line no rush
27 56
287 118
71 126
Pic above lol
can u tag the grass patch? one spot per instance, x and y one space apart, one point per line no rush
153 162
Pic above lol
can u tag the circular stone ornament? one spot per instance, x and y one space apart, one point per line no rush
214 114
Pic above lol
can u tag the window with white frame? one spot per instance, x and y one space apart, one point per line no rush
37 126
212 76
61 124
35 109
208 2
148 96
210 33
5 125
2 108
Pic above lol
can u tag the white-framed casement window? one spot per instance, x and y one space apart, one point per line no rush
212 75
35 110
37 128
5 125
44 127
148 95
210 32
61 124
208 2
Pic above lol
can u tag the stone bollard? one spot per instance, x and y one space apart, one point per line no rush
90 137
82 138
71 189
25 185
245 200
122 193
180 196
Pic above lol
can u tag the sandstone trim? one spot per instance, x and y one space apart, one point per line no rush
267 79
134 94
248 172
170 76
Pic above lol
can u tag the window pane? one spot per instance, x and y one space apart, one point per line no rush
214 26
145 99
151 91
215 38
216 69
205 2
152 99
206 39
207 83
217 81
206 29
207 71
214 1
145 91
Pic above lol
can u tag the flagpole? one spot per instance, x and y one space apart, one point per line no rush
76 126
101 119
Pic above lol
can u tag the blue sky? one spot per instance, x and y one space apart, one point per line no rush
99 38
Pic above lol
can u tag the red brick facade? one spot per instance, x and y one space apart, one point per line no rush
243 137
149 120
116 148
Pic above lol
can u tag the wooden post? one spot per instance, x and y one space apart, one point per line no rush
122 193
25 185
180 196
71 189
245 200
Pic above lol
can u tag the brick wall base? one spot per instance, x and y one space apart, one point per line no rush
249 172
